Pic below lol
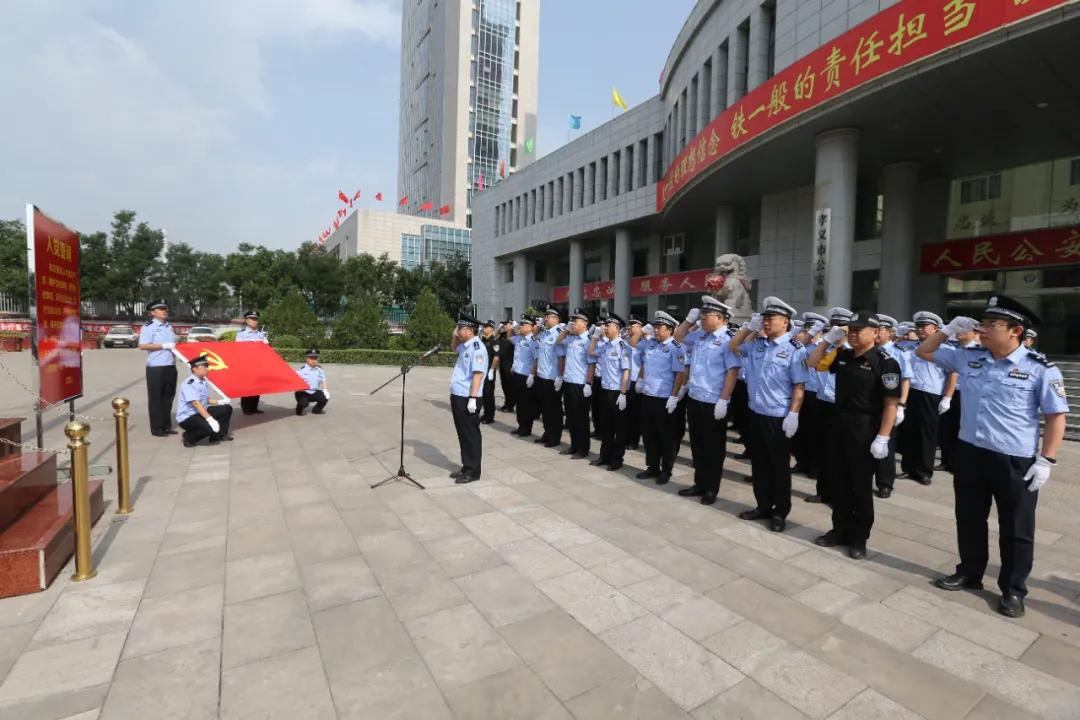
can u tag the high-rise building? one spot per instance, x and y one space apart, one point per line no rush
468 98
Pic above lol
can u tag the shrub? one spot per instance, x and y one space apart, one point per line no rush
362 326
427 325
227 336
291 315
370 357
285 341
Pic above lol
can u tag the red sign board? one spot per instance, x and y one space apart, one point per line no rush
1033 248
644 286
55 258
900 35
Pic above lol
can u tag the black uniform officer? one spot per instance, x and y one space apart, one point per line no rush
506 364
867 394
491 344
157 339
466 387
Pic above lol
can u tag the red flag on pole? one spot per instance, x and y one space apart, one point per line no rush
378 196
426 206
341 212
404 200
502 168
343 197
336 224
480 183
355 197
244 368
444 210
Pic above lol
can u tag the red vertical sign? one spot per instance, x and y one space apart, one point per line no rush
55 263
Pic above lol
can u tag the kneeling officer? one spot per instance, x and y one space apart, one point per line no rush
199 416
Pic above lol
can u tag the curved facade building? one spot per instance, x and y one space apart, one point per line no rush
897 156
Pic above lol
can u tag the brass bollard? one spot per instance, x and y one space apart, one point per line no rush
80 499
123 472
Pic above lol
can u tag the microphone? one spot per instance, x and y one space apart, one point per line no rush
430 352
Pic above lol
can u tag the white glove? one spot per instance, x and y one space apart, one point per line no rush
815 327
720 409
214 425
1038 473
683 389
693 315
648 330
671 404
960 324
597 332
790 424
561 327
326 393
558 383
471 406
265 341
756 322
491 374
880 447
639 386
514 325
835 335
168 346
620 402
530 380
943 405
899 415
586 390
224 400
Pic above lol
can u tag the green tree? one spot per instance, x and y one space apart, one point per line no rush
13 274
365 273
319 275
452 280
259 276
94 260
363 325
428 324
291 315
408 284
135 267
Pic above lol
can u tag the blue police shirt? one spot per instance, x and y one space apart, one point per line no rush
157 332
773 368
191 390
902 358
313 376
525 349
472 358
710 360
547 359
575 348
925 376
611 359
661 362
637 354
1002 399
249 335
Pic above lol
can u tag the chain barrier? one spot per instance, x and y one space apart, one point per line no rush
52 406
31 448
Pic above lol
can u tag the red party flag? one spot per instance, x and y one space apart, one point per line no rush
336 224
239 369
480 183
378 196
404 200
355 197
502 168
444 210
426 206
344 198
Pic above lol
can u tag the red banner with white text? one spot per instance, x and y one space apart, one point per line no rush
643 286
1032 248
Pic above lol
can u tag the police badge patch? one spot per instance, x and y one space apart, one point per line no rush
1058 386
890 381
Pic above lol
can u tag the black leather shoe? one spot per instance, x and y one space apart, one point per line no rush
316 411
299 410
647 473
857 552
615 466
172 431
812 499
1011 606
829 539
539 440
567 451
884 493
924 480
579 456
777 524
188 443
598 461
754 514
957 581
457 473
708 499
466 478
663 479
692 491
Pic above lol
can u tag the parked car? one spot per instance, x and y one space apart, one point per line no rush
120 336
201 333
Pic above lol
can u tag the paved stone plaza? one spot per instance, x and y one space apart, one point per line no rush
263 579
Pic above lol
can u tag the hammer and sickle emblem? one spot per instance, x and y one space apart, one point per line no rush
216 363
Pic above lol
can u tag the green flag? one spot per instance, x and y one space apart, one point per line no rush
529 145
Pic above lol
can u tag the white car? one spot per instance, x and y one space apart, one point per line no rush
201 333
120 336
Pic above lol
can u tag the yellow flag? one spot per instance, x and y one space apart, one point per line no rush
616 99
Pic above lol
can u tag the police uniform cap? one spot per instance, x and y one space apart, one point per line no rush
862 319
634 320
925 317
810 317
312 352
839 315
202 360
775 306
662 318
490 323
886 321
527 318
1029 333
553 311
469 322
579 314
158 305
251 314
904 328
1003 306
709 304
797 323
613 318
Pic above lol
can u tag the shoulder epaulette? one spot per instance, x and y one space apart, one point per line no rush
952 343
676 343
1039 358
884 353
148 322
191 380
796 343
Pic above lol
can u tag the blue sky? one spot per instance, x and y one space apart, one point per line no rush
228 121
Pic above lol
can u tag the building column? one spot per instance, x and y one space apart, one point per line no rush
521 284
612 177
577 274
835 177
703 100
624 265
899 183
736 54
758 52
726 229
590 180
719 82
625 168
568 192
650 161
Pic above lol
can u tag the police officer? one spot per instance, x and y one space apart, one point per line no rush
885 473
199 416
578 367
315 377
251 333
663 372
525 350
613 361
1030 336
506 364
634 335
546 371
919 433
905 331
597 333
826 405
157 339
867 394
491 344
688 333
1006 388
714 369
775 378
466 386
805 450
949 427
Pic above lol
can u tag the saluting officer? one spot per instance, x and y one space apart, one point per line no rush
826 406
315 377
885 473
613 361
926 403
157 339
634 335
578 367
506 363
663 372
805 449
251 333
867 393
491 344
546 371
466 385
775 378
199 416
687 333
1006 388
949 427
525 350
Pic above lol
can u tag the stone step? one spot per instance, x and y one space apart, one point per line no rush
10 429
36 547
25 478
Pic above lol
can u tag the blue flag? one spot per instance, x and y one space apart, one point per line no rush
575 122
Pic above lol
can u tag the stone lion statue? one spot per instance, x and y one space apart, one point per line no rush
729 284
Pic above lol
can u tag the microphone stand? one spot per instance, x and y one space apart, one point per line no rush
401 474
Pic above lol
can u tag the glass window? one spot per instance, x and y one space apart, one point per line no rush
1074 171
540 271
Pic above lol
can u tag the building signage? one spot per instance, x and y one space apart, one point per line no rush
900 35
819 274
692 281
1032 248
